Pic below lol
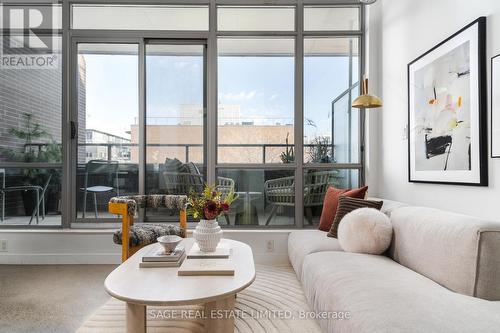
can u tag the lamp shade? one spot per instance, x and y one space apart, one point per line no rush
365 100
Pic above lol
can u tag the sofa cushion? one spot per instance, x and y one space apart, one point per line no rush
457 251
383 296
347 205
329 209
303 242
331 202
388 206
365 230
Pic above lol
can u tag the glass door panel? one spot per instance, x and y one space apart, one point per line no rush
108 114
331 83
175 119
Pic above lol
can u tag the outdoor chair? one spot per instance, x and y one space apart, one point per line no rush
225 186
101 177
183 183
132 236
280 192
39 194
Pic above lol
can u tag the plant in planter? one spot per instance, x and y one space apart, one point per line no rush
207 206
33 151
320 150
287 156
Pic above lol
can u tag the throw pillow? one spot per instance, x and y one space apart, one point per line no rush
331 201
347 205
365 230
174 165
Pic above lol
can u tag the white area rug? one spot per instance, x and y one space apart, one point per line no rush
267 306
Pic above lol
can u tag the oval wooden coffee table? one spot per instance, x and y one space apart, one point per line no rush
140 287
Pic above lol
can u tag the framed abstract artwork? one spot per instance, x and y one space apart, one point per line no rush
495 106
447 111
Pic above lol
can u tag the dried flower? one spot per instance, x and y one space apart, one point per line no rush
209 204
211 210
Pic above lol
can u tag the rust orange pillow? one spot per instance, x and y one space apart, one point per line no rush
332 201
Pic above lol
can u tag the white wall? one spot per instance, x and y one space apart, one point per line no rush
75 246
372 70
407 29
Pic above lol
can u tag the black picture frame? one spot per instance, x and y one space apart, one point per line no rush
493 106
482 108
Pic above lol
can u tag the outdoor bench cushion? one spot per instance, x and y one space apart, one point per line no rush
144 233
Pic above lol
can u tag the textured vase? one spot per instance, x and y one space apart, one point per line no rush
207 234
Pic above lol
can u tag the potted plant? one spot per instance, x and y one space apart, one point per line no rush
287 156
207 206
34 151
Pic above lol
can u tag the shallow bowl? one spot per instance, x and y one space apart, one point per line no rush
169 242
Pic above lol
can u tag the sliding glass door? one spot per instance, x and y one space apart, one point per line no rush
107 98
139 125
175 121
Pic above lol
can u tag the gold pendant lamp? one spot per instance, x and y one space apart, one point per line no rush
366 101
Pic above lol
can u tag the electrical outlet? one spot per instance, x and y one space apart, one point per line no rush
270 246
3 245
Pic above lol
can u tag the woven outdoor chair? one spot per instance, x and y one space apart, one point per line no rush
280 192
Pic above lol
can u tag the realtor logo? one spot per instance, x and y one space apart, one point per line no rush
27 37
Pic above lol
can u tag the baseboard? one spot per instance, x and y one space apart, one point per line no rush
107 258
60 259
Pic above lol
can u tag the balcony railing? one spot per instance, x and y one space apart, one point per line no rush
188 148
125 148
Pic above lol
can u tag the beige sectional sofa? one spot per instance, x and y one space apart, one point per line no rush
441 274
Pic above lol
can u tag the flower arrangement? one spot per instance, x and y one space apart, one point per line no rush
210 203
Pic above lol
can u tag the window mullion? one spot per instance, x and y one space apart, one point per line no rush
212 95
299 115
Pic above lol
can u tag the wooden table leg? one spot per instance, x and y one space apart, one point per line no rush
136 318
220 315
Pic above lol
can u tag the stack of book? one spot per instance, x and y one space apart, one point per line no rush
221 252
208 263
157 257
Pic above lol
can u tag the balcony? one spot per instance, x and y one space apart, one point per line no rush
248 182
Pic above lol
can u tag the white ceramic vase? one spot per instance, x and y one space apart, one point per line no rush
207 234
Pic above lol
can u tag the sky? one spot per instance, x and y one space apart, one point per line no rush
263 87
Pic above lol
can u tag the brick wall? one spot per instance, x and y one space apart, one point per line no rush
38 92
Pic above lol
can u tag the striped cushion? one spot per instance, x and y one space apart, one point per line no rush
347 205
